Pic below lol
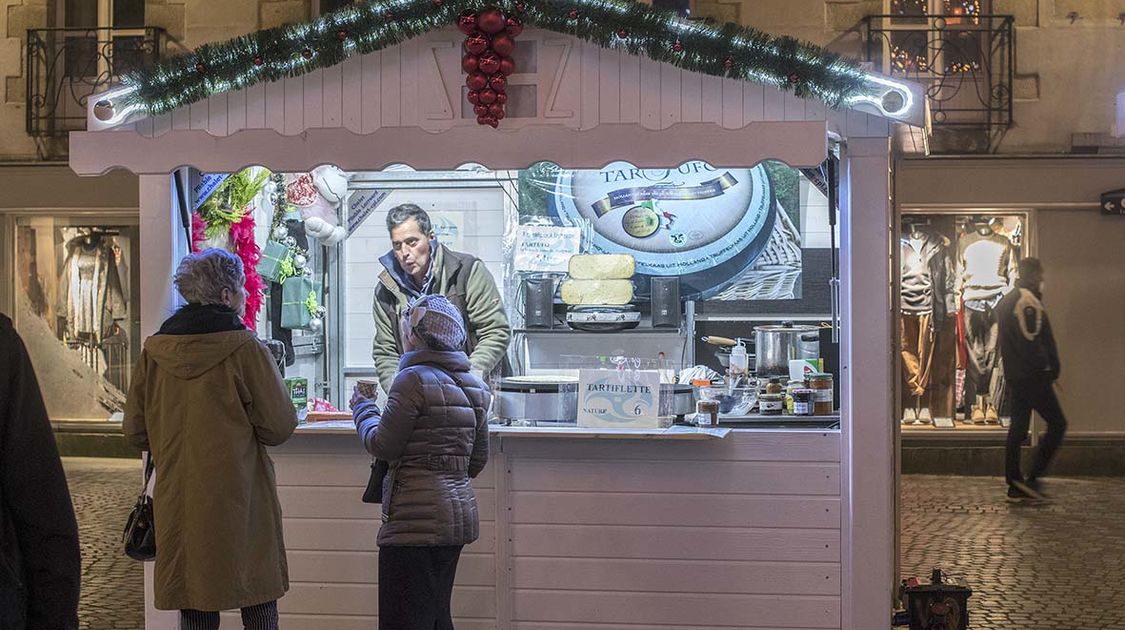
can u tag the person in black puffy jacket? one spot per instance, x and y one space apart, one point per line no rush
40 560
1031 367
434 435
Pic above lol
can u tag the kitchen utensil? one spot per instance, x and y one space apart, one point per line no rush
775 346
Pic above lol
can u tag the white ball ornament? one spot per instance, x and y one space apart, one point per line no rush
280 232
316 324
300 260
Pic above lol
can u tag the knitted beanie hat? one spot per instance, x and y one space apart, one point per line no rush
437 322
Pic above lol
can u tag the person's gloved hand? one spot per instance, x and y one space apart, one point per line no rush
357 399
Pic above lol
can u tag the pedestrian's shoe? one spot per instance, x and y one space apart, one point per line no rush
1037 487
978 415
909 416
990 416
1025 490
924 416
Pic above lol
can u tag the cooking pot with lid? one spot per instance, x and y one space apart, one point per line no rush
775 346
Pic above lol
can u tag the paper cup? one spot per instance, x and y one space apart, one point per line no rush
368 387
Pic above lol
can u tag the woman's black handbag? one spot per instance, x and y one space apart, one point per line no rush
140 530
373 493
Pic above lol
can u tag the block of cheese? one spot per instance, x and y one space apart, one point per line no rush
597 292
602 266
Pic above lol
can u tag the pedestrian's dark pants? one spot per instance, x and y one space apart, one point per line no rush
415 585
258 617
1037 395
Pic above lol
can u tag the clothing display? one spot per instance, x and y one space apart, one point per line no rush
91 299
955 270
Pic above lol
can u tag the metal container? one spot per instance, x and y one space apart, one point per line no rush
677 400
775 346
538 400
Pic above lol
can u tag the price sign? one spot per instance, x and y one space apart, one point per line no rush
545 247
618 398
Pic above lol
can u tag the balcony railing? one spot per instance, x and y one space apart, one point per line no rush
66 65
966 63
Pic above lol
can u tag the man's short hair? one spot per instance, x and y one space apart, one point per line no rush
1029 267
404 212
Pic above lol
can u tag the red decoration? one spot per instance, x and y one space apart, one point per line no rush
502 98
388 16
515 27
470 63
342 34
476 43
200 67
491 121
623 33
794 79
503 45
507 66
678 47
487 96
520 7
491 21
497 110
728 63
476 81
258 61
439 3
306 53
467 22
473 97
489 63
480 110
573 14
498 82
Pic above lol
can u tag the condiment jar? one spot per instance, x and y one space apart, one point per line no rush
821 384
707 413
770 404
791 387
774 386
802 402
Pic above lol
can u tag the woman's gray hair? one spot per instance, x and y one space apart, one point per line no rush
201 277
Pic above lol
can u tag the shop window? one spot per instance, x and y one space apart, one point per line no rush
955 268
77 288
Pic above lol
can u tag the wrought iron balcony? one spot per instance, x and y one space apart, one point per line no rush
66 65
966 62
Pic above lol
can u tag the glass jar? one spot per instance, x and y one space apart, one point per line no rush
823 399
770 404
803 402
707 413
774 386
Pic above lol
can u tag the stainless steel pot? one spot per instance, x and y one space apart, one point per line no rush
775 346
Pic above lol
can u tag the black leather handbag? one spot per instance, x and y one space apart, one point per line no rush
140 530
373 493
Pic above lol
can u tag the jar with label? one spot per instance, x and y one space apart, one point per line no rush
770 404
791 387
821 384
803 402
774 386
707 413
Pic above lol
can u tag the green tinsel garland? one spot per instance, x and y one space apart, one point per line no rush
268 55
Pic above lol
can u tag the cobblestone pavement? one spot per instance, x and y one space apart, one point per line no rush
103 491
1031 567
1058 566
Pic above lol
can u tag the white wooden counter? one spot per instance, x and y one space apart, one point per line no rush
739 528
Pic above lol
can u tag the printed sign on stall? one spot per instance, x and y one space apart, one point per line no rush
546 248
618 398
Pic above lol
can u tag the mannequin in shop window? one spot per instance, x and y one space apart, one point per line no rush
925 302
90 295
987 272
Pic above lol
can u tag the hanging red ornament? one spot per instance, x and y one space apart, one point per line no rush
502 98
492 121
467 22
515 27
487 96
520 7
573 14
507 66
728 63
200 67
503 45
489 63
476 43
476 81
480 110
678 47
342 34
622 33
498 82
388 16
439 3
491 21
794 78
497 110
473 97
307 53
470 63
258 61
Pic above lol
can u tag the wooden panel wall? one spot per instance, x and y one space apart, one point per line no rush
580 85
592 534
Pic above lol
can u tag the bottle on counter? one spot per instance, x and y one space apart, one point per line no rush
774 386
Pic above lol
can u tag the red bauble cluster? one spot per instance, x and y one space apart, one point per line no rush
490 39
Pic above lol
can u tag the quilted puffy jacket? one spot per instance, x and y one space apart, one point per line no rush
434 434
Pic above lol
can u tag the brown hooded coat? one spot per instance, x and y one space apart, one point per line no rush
206 406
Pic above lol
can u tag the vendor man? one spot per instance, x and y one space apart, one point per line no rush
418 265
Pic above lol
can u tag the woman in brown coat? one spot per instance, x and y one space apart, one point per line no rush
434 435
206 399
